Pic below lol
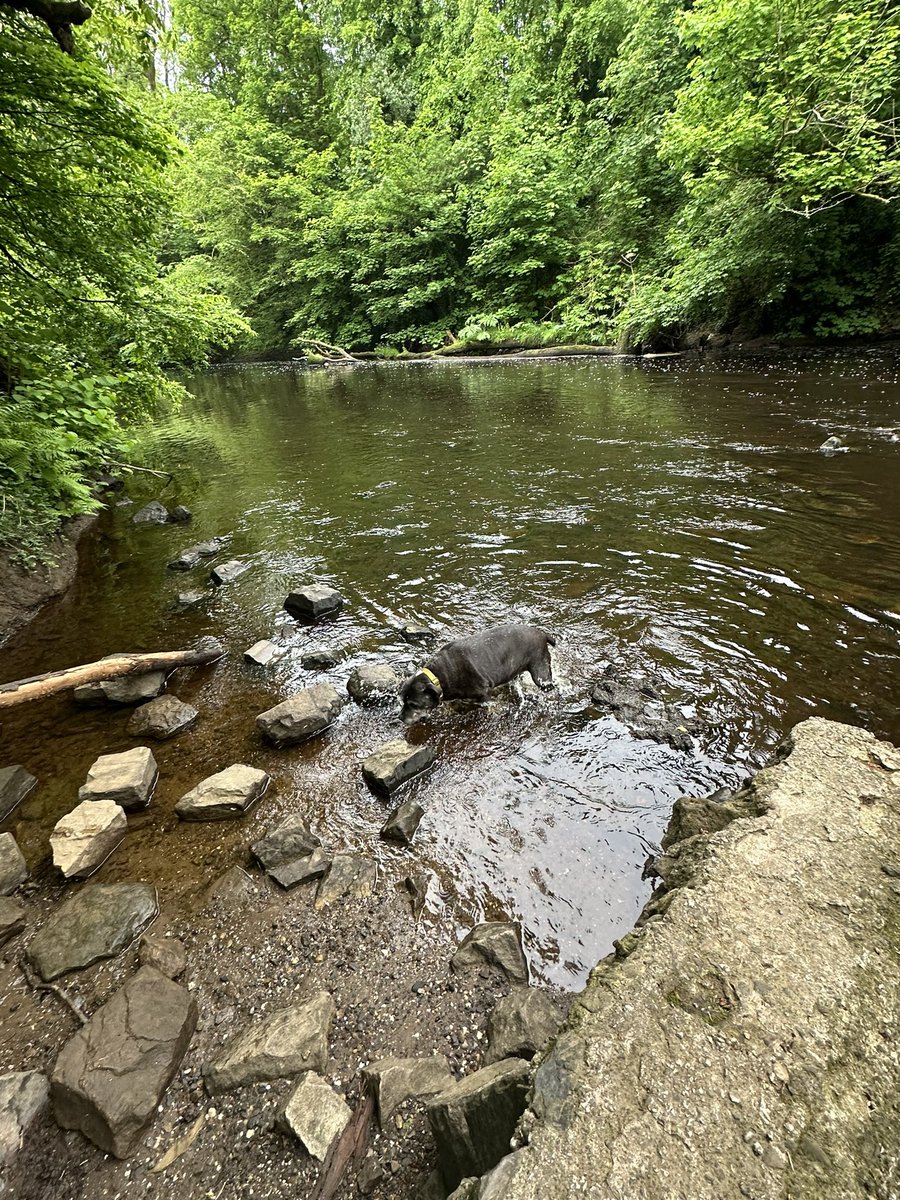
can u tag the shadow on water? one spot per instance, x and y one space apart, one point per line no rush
673 518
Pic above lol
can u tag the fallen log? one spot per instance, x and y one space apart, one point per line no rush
207 650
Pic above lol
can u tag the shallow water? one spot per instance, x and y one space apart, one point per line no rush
671 517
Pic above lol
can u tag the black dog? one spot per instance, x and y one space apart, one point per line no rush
469 668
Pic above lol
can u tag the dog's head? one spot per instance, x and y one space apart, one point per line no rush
419 696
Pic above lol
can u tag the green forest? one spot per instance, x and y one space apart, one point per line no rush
243 176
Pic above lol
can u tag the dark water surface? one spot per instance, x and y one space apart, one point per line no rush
672 517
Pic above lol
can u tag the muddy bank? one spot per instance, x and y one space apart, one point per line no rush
23 593
742 1041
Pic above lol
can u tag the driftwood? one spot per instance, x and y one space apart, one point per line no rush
350 1145
329 351
61 994
207 650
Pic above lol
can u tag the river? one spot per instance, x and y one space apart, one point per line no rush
671 517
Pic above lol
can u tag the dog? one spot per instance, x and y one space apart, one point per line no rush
469 668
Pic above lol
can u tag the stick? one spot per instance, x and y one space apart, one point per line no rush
70 1002
350 1145
207 650
167 475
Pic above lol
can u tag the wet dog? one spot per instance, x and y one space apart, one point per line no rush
469 668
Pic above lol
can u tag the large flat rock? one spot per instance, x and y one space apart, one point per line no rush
736 1044
521 1024
127 689
127 778
301 716
23 1095
394 763
98 922
351 877
85 837
374 683
283 1044
286 843
111 1076
399 1079
496 944
223 796
314 602
315 1114
15 784
13 870
162 718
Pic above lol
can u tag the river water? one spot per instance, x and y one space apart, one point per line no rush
671 517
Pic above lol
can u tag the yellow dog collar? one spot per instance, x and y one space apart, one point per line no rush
432 678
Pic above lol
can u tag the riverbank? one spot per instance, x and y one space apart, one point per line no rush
24 592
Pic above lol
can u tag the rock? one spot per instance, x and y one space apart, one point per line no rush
521 1024
13 870
12 920
226 794
15 784
832 443
165 954
397 1079
692 816
474 1120
23 1096
127 779
285 844
350 875
301 870
110 1077
373 683
162 718
194 555
320 658
191 599
416 887
127 689
98 922
392 764
180 515
283 1044
498 943
233 888
403 822
263 653
314 602
85 837
416 635
636 701
153 513
227 572
302 716
315 1114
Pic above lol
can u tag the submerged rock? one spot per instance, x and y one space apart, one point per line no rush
165 954
227 572
12 920
283 1044
403 822
636 701
373 683
191 599
111 1076
474 1120
127 778
285 844
225 795
264 653
833 443
162 718
98 922
23 1096
416 635
350 875
127 689
320 658
314 602
497 944
521 1024
397 1079
153 513
692 816
194 555
13 870
85 837
301 716
394 763
180 515
15 784
315 1114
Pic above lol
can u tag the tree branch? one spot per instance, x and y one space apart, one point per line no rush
58 15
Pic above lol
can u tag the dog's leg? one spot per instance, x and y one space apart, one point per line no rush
541 670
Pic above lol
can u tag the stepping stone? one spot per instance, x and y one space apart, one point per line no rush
85 837
23 1096
403 822
229 571
521 1024
350 875
285 844
314 602
12 921
416 635
225 795
110 1077
394 763
15 784
162 718
397 1079
263 653
180 515
165 954
13 870
194 555
283 1044
127 778
128 689
302 716
314 866
497 944
315 1114
233 888
474 1120
373 683
319 659
98 922
191 599
153 513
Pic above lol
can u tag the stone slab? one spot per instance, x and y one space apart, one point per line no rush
264 653
373 683
302 870
126 689
302 716
100 921
285 844
403 822
314 602
395 1080
227 572
166 954
350 877
320 658
315 1114
162 718
85 837
395 763
13 869
521 1024
127 779
15 784
192 556
496 944
23 1096
225 795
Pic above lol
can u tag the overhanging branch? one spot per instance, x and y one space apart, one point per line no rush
58 15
